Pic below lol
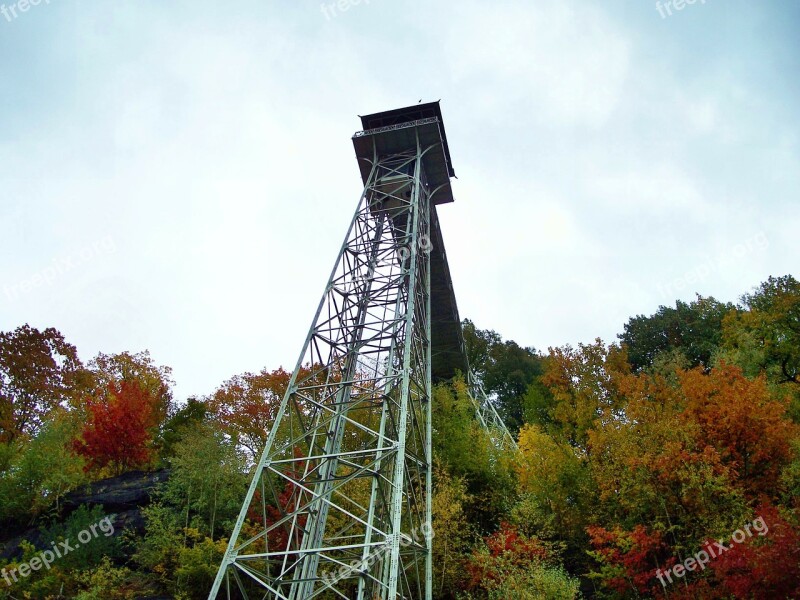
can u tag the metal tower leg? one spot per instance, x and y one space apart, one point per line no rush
339 505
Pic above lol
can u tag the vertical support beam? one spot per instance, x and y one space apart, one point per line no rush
487 415
428 528
398 479
314 533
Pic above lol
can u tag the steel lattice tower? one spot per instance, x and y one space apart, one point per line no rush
340 502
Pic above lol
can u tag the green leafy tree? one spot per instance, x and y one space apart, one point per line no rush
764 337
556 488
163 538
107 582
42 472
182 559
774 317
454 534
506 370
102 544
478 344
464 449
695 329
195 412
208 480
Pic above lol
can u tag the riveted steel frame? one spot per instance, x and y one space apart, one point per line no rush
340 502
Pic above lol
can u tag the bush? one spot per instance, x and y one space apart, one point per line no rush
107 582
102 544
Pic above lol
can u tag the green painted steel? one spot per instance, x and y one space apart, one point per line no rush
340 501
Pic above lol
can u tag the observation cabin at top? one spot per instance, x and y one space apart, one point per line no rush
396 131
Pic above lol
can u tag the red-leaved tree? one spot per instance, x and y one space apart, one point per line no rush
117 430
630 561
277 508
765 566
507 550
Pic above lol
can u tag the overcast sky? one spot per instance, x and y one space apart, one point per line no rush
178 176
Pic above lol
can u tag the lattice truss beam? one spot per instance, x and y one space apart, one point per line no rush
339 506
487 415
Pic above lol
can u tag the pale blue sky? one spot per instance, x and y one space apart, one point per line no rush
178 176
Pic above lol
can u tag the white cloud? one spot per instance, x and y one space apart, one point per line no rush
558 63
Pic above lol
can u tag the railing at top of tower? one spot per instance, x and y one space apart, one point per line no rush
417 123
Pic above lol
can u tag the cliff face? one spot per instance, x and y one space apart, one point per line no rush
121 497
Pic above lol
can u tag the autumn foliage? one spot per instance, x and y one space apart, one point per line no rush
39 372
278 537
505 550
117 433
630 560
763 567
630 459
245 406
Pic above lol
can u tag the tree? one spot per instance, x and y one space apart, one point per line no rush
453 532
506 370
695 329
182 559
629 561
38 372
117 433
740 419
765 566
555 482
766 336
138 368
246 405
582 384
478 344
194 413
208 480
512 565
465 450
654 466
42 472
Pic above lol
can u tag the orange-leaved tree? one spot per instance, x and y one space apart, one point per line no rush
743 421
245 406
39 371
